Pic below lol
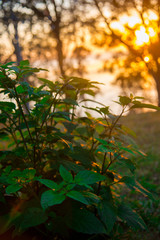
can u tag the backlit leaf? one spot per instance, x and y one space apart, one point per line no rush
77 196
133 184
131 217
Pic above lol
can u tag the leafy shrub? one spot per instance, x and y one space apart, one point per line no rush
59 176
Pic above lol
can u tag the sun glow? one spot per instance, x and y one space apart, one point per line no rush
146 59
141 36
151 32
144 35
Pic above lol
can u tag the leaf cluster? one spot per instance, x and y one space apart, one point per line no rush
59 169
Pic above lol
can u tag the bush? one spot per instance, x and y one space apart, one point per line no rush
59 177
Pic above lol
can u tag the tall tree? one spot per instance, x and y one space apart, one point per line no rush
135 25
9 18
45 30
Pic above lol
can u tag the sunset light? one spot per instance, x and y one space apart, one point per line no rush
151 32
146 59
141 36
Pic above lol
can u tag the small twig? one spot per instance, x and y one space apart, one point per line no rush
53 102
102 172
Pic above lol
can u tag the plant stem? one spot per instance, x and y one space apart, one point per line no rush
112 161
19 129
114 124
53 102
102 172
21 110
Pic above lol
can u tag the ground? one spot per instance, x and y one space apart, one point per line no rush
147 129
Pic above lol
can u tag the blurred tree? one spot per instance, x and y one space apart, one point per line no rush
135 25
19 38
9 18
44 30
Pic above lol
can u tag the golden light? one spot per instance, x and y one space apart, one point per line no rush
130 20
146 59
151 15
151 32
141 36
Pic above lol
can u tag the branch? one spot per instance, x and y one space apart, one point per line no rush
114 34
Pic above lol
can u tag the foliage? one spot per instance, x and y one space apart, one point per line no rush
134 27
58 25
59 169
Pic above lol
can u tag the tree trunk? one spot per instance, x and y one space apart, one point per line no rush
59 48
16 43
156 76
158 88
60 55
18 53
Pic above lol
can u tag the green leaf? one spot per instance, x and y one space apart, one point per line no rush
13 188
82 220
21 89
126 149
69 187
133 184
91 197
107 214
104 110
131 217
137 97
60 115
102 148
88 177
70 101
49 183
105 142
67 176
30 217
7 170
124 100
144 105
24 63
14 68
72 166
50 84
82 155
29 173
7 64
8 106
77 196
128 163
70 126
50 198
3 118
93 109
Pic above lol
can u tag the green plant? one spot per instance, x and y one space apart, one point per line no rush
59 171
